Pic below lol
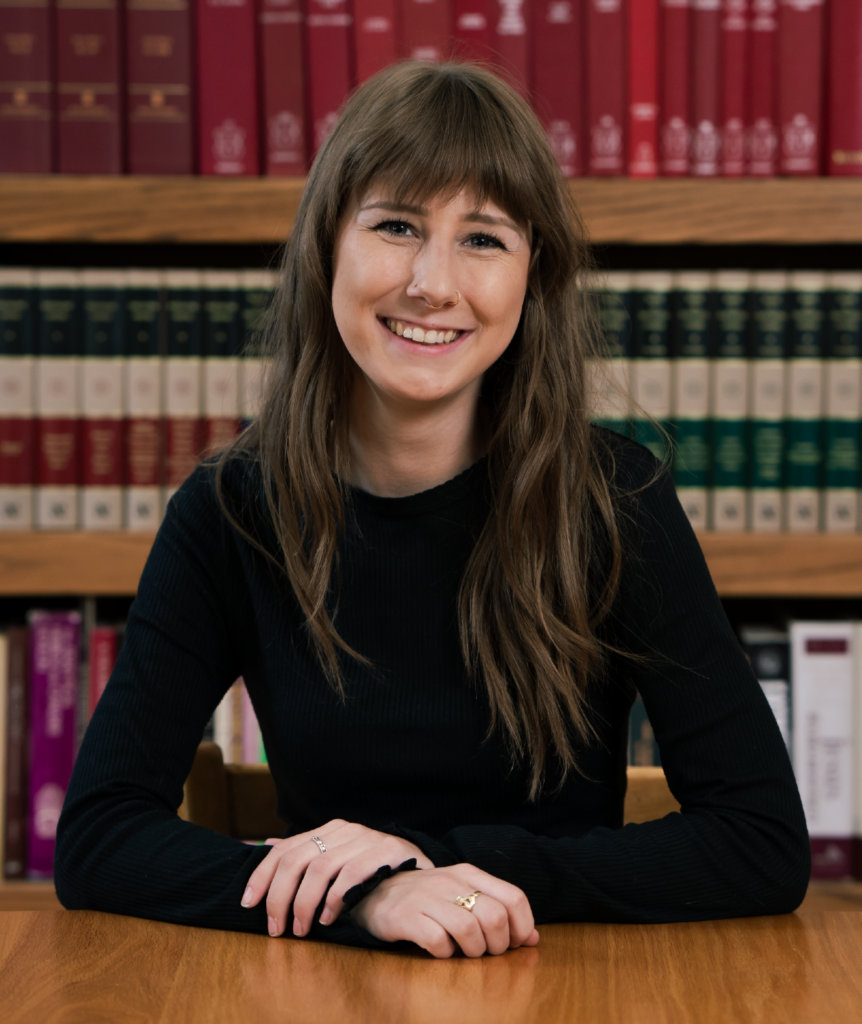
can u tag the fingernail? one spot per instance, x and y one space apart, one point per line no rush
297 927
326 916
246 897
273 926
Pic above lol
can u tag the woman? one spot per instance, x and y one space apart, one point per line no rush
442 587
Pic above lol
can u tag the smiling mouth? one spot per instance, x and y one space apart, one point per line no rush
412 332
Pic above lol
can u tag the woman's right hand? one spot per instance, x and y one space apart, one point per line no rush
420 906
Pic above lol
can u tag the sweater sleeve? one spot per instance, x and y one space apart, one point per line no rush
739 846
120 845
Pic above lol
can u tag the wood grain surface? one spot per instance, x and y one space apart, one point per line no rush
78 208
87 967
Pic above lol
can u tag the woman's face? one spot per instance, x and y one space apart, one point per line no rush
393 263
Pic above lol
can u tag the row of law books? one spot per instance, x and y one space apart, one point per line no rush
748 383
113 383
636 87
811 675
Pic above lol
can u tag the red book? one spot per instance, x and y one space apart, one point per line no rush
675 125
330 64
227 87
89 83
159 87
426 27
511 43
606 86
845 90
473 32
26 92
17 428
761 118
734 43
800 55
283 86
103 648
375 36
705 91
642 157
17 754
558 80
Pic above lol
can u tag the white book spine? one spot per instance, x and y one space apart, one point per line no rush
56 399
729 403
102 401
143 404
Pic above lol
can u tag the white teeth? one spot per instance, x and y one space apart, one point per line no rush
399 328
408 333
431 337
418 334
450 336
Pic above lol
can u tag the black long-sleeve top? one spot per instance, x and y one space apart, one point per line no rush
406 751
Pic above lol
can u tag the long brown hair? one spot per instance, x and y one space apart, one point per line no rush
531 601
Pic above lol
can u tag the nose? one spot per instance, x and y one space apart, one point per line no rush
434 274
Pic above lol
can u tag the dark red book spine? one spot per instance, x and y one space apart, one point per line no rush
103 646
734 87
330 64
375 36
674 107
426 27
89 84
227 87
558 81
159 87
26 89
761 142
473 31
800 55
642 157
705 90
845 90
17 754
511 43
606 87
283 84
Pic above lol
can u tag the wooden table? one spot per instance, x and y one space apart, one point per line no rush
65 968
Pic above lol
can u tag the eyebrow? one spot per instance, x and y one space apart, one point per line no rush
420 211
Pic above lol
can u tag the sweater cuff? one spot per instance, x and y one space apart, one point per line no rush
439 854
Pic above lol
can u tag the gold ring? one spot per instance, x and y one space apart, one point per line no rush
320 843
468 902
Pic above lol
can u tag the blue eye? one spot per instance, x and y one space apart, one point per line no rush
487 242
393 227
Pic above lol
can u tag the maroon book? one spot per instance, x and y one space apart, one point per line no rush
705 94
734 43
511 44
606 87
674 107
761 131
426 27
845 91
558 87
159 87
26 89
89 87
227 87
17 754
472 29
283 86
375 36
800 55
330 64
642 157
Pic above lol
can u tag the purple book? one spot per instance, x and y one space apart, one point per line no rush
55 639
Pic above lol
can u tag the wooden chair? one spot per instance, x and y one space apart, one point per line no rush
239 799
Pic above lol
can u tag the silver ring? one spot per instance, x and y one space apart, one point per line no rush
320 843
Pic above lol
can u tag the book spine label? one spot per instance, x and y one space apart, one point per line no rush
283 87
183 407
844 67
159 90
17 759
800 43
606 87
143 442
729 403
330 64
843 412
17 442
26 88
374 36
511 42
762 113
58 443
102 648
89 85
426 27
642 134
473 30
734 85
54 668
651 365
768 402
221 402
558 86
227 88
674 105
705 87
223 341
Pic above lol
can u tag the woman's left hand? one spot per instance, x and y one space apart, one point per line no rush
297 871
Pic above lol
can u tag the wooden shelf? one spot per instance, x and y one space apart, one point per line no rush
72 208
742 565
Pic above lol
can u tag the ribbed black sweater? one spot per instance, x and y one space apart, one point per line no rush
406 751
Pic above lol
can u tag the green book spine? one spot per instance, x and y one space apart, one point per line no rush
805 407
843 402
17 373
183 376
651 364
692 330
257 289
768 401
729 402
223 338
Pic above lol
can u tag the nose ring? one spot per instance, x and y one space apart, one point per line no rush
450 303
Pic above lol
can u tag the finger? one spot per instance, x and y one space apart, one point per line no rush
461 925
521 922
493 919
358 867
283 887
262 876
427 934
533 940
